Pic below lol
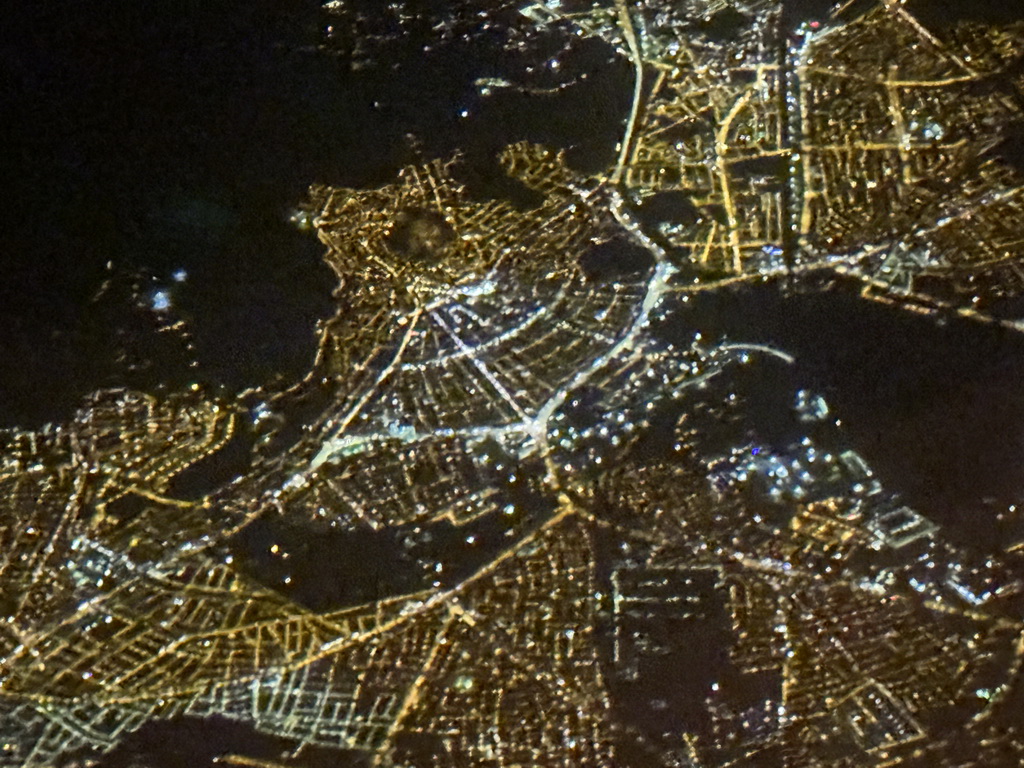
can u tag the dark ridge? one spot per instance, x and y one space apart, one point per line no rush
327 569
324 568
671 659
716 212
726 26
126 508
615 259
219 468
667 208
772 168
462 550
192 742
